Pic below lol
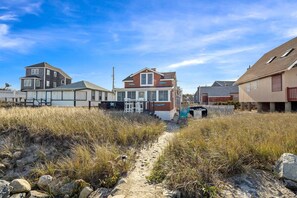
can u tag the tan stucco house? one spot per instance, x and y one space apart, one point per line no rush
271 82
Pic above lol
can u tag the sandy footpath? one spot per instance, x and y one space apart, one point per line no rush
135 184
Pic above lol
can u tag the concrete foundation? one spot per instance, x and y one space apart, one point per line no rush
288 107
272 107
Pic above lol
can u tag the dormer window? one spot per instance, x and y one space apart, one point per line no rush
271 59
146 79
287 52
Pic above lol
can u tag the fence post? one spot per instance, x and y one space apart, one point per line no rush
89 104
25 101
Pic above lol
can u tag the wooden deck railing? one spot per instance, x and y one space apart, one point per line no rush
292 94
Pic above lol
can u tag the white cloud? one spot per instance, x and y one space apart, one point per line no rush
8 17
290 33
32 8
10 42
3 29
185 63
206 58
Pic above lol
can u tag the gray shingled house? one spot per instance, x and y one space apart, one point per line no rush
219 91
43 76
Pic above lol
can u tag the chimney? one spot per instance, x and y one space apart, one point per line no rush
154 69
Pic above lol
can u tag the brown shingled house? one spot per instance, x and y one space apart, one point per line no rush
272 81
155 90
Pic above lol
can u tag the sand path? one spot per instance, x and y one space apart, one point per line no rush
135 184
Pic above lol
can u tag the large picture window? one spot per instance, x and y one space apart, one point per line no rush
151 96
131 94
163 95
27 83
276 81
121 96
146 79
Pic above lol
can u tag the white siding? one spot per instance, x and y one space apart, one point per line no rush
56 95
31 94
63 103
41 95
81 95
68 95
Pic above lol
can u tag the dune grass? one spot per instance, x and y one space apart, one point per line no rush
94 139
211 149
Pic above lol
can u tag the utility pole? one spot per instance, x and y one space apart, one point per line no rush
112 78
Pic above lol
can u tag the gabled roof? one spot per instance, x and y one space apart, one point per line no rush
222 83
267 65
79 86
45 64
218 91
164 75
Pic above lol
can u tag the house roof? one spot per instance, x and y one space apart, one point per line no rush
223 83
79 86
165 75
218 90
45 64
267 65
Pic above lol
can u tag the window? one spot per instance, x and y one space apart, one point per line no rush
276 81
93 95
27 83
143 79
141 95
150 79
34 71
163 95
48 72
37 83
287 52
131 94
54 84
55 74
121 96
151 96
100 95
47 83
146 79
271 59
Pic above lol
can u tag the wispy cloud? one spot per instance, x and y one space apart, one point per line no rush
206 58
8 17
10 42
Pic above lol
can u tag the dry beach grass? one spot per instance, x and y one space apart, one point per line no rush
86 142
211 149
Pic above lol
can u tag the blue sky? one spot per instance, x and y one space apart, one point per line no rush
202 41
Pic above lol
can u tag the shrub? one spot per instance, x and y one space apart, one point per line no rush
211 149
87 142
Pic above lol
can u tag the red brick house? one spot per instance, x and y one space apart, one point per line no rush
151 90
